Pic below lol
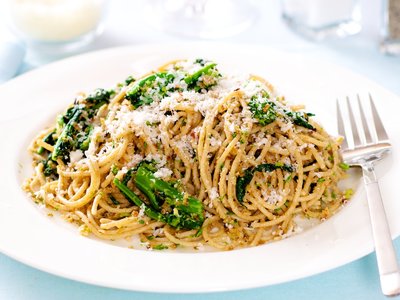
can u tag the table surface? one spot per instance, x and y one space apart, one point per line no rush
125 25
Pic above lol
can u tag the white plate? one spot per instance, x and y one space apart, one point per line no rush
31 101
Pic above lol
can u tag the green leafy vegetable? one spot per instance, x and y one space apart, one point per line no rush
300 118
83 138
187 210
287 179
200 61
98 97
184 211
144 91
198 233
134 199
243 181
113 200
75 126
160 247
344 166
265 111
49 167
262 109
65 142
129 80
204 78
114 169
348 193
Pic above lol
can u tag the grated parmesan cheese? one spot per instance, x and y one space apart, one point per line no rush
141 211
213 193
160 160
286 126
273 197
215 142
75 156
163 173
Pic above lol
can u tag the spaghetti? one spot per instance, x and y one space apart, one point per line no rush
187 156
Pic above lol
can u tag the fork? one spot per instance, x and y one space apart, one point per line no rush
364 147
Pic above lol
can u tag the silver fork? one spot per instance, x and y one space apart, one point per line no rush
365 149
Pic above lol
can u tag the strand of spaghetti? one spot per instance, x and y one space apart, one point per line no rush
257 201
131 222
209 238
107 181
106 161
186 161
95 204
81 190
317 194
318 158
300 176
257 237
178 241
307 184
222 184
231 192
314 141
203 132
107 236
115 210
118 98
74 174
45 145
90 192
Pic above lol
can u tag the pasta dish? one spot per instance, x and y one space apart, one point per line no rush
187 156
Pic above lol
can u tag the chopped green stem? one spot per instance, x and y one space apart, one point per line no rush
133 198
146 182
85 140
137 94
99 97
265 112
113 200
195 81
192 79
49 167
300 118
129 80
63 145
152 186
185 212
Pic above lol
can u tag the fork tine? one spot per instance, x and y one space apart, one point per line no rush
340 125
367 133
354 129
380 130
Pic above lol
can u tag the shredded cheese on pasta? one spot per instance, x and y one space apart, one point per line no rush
229 145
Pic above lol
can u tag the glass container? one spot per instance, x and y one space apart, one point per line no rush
321 19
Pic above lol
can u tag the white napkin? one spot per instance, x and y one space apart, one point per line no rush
12 53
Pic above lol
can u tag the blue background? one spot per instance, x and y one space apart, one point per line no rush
357 280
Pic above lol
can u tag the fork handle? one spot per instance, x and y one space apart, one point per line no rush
385 253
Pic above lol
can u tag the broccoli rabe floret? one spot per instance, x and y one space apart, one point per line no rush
204 78
75 126
183 210
144 91
266 112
